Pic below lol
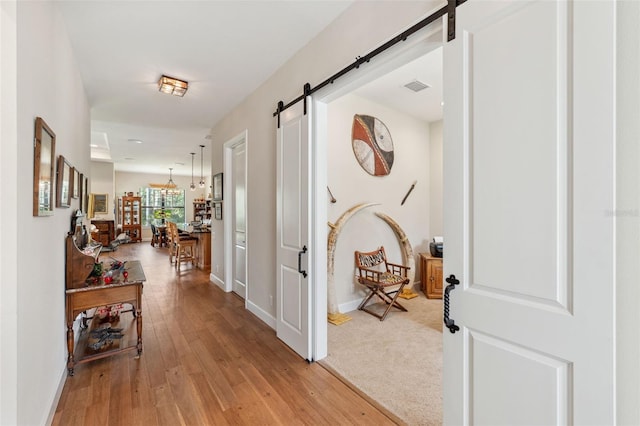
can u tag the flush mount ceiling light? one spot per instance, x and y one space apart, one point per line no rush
172 86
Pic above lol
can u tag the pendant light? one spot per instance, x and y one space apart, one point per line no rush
193 185
201 183
170 184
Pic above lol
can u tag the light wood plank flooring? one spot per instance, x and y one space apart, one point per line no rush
206 361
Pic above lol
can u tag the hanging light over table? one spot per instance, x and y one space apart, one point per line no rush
170 184
193 185
201 183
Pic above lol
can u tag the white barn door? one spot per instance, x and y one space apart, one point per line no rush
293 320
529 198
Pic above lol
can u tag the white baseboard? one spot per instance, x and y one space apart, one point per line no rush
217 281
56 397
263 315
349 306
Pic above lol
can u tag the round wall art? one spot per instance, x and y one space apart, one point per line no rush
372 145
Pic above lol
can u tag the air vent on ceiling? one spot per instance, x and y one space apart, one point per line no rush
416 86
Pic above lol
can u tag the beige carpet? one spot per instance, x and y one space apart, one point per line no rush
397 362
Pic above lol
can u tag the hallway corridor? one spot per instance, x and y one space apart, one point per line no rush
206 361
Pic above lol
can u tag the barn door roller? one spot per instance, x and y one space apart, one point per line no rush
449 10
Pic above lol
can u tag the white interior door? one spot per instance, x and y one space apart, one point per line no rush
293 314
529 229
239 220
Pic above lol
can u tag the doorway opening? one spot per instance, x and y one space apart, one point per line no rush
234 208
417 141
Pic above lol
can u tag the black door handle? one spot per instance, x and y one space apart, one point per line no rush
300 253
448 322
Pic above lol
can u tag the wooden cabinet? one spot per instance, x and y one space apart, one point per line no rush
129 217
431 270
201 210
105 231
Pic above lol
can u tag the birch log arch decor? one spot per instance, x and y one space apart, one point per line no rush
333 314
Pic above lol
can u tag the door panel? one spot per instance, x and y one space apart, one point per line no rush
293 293
529 144
531 204
500 369
239 220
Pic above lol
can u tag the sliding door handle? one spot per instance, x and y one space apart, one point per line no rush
448 322
300 253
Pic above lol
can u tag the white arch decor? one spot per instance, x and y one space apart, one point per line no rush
407 254
333 311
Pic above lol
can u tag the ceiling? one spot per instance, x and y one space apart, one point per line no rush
224 49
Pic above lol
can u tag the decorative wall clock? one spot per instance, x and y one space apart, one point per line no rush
372 145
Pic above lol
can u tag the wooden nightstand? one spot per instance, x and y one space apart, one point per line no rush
431 275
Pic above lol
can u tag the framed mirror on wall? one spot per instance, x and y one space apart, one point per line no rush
63 190
44 155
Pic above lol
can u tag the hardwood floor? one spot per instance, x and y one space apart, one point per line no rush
206 361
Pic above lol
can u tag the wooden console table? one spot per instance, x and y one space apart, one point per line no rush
120 291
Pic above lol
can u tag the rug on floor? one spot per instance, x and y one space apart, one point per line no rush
397 362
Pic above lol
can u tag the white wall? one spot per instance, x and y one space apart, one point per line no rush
436 182
103 182
8 215
351 185
48 85
351 35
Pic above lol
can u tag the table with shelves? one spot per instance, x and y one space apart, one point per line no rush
83 295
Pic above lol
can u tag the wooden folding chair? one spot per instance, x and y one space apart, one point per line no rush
383 279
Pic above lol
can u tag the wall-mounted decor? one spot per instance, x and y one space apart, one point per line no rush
217 187
372 145
84 198
99 203
44 158
75 183
63 183
217 211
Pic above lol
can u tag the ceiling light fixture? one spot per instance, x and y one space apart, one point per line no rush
172 86
193 185
201 184
170 184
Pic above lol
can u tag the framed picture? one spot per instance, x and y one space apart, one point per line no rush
217 187
81 192
75 183
99 203
63 184
44 158
84 198
217 211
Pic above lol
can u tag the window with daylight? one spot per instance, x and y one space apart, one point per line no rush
161 205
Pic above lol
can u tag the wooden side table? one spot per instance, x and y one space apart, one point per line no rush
78 300
431 275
